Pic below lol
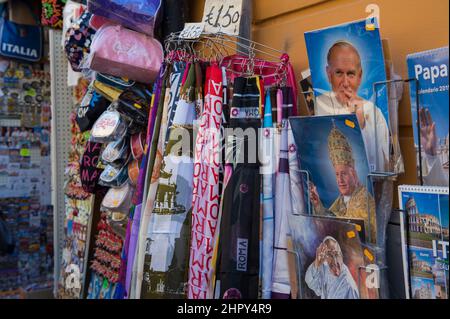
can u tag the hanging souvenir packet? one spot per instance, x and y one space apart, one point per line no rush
142 16
113 177
111 93
78 41
238 262
135 104
170 223
110 126
116 153
52 13
205 200
121 52
118 202
90 109
116 82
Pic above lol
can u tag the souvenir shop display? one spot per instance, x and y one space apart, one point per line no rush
425 240
78 211
26 214
194 173
106 263
430 111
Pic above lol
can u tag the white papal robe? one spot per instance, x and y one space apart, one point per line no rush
328 286
377 150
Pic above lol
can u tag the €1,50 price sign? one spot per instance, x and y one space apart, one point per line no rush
222 16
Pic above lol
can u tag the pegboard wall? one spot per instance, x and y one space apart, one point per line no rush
62 106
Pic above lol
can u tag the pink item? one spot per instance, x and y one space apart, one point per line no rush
279 106
121 52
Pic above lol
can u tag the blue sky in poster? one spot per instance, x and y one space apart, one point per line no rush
429 204
368 44
437 101
314 155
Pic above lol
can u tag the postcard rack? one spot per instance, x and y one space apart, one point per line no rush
419 144
379 248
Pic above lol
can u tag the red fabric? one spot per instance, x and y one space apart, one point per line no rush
205 202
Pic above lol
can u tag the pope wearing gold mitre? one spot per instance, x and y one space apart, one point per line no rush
354 201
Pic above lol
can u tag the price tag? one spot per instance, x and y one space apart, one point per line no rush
192 30
25 152
223 17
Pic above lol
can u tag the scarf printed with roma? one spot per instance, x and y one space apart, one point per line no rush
169 229
205 202
238 255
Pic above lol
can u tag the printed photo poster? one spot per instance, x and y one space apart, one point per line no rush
345 62
430 68
330 262
425 242
334 165
307 92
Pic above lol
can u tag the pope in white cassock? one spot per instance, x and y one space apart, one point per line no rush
433 171
328 276
344 73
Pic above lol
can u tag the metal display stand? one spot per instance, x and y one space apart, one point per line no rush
418 121
378 247
61 106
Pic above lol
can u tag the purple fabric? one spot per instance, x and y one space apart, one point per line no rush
132 247
123 264
137 199
277 295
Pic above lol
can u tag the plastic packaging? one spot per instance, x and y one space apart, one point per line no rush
114 81
139 15
133 171
135 105
107 91
137 145
110 126
118 200
114 177
116 153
